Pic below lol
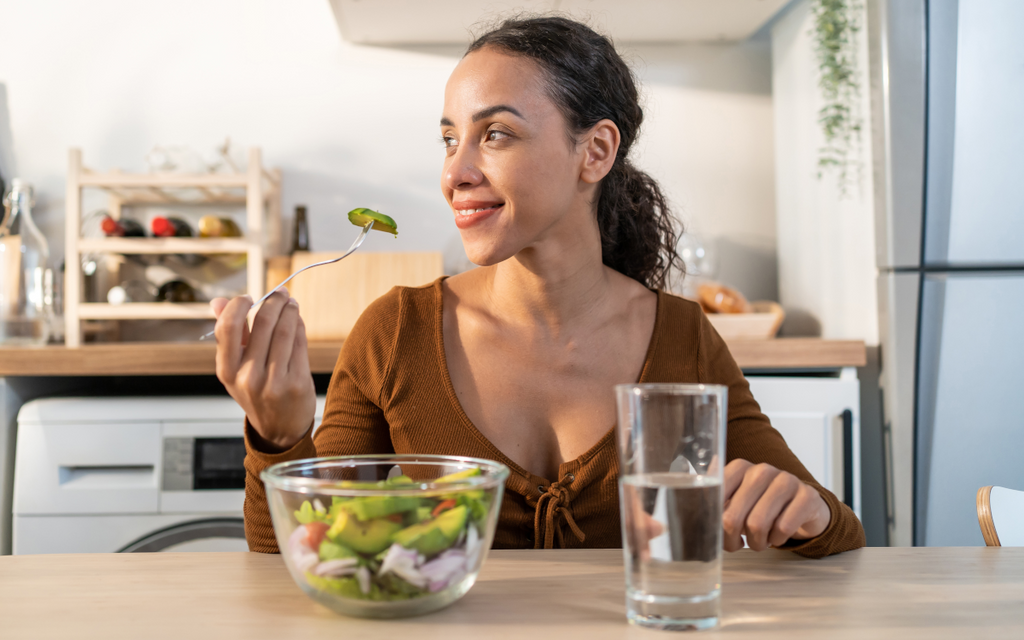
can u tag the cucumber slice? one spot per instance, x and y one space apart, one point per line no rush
381 222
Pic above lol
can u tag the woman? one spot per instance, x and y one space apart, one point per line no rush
515 361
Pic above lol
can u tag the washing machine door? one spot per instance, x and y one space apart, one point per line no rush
209 534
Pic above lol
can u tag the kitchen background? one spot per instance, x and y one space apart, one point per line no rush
353 125
732 132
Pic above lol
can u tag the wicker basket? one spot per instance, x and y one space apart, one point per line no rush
761 324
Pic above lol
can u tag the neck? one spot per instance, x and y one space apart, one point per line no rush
553 285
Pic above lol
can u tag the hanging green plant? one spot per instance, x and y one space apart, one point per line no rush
836 23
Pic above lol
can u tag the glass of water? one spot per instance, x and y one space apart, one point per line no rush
671 440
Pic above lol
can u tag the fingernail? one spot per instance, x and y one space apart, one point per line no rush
248 297
293 301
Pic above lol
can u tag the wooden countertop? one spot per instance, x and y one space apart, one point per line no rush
877 593
197 358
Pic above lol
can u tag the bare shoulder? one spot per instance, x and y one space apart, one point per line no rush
465 290
638 302
464 284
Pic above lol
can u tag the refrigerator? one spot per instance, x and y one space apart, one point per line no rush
947 92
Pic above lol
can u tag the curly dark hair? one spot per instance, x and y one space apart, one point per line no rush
589 81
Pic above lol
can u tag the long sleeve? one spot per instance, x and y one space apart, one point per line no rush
353 421
751 437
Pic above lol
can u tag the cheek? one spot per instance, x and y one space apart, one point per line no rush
536 182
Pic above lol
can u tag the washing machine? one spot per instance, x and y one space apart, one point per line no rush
130 474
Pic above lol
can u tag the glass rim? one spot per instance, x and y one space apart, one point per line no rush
674 388
493 474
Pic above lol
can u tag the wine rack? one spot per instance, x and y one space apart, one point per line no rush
257 189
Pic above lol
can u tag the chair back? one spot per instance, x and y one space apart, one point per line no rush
1001 516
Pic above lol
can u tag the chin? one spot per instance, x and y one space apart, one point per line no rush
485 254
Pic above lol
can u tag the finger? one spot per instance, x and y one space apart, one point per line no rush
761 520
218 304
646 528
734 476
734 518
231 332
797 511
282 342
263 330
813 517
299 363
654 528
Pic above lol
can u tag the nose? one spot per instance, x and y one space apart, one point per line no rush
461 171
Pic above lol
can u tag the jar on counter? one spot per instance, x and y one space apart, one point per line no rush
24 256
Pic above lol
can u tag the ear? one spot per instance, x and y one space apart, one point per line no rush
601 145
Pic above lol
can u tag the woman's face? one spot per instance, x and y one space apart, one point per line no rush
511 175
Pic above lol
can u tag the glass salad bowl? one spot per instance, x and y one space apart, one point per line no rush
385 536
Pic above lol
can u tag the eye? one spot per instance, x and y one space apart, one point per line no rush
449 141
494 135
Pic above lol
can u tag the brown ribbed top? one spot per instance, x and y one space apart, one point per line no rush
391 393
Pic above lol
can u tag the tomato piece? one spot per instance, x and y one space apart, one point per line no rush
315 534
394 517
444 505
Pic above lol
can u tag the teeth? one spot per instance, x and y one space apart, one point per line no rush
466 212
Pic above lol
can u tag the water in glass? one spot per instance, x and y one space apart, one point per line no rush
673 549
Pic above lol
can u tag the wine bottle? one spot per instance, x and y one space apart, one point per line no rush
300 235
218 227
24 257
176 291
167 227
125 227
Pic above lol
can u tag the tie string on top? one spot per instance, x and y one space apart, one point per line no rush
554 505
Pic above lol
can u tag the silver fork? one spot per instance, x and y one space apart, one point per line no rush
355 245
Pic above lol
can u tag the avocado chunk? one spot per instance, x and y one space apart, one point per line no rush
380 484
371 536
475 494
372 507
381 222
433 537
459 475
452 522
334 551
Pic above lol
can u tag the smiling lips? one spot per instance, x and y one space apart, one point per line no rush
471 212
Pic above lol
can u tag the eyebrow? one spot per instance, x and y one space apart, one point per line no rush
486 113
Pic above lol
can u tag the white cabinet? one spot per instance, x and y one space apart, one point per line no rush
811 414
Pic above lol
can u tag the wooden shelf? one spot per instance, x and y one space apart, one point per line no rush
258 189
197 358
135 246
163 180
798 353
163 188
135 359
145 311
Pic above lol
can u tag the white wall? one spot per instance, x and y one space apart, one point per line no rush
350 125
827 274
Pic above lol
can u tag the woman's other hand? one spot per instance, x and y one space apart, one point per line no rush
266 370
769 507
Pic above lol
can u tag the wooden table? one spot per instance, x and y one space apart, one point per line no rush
197 358
523 595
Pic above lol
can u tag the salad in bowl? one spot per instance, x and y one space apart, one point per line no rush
385 535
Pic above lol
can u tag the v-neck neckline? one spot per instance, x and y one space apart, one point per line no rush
499 456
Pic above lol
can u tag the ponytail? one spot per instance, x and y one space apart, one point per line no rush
638 237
